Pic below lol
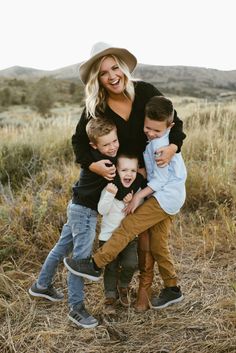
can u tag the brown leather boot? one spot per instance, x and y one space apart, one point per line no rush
124 296
146 268
110 306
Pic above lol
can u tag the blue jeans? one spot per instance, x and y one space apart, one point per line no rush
77 236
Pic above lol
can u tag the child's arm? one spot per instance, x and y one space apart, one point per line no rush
137 199
176 138
106 199
157 176
165 154
103 168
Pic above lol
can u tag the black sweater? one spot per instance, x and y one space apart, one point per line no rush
130 133
87 190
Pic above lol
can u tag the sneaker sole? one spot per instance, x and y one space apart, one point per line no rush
174 301
45 296
82 325
80 274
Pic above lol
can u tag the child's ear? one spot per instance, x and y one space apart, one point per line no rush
93 145
171 125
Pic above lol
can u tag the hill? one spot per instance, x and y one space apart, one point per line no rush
181 80
26 73
187 80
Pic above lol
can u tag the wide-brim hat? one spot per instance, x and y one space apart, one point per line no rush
101 49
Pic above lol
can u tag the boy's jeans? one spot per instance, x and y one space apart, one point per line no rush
78 236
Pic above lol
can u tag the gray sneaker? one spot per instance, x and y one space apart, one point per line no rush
81 317
168 296
83 268
49 293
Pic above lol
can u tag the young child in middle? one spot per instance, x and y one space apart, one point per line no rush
114 198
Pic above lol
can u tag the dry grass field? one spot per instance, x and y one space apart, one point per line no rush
37 171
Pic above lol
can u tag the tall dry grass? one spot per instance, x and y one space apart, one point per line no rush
28 147
32 212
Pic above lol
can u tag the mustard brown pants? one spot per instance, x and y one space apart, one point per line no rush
147 216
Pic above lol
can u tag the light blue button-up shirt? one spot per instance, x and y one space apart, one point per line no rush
167 183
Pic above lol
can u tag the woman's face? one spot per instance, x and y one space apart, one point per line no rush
111 77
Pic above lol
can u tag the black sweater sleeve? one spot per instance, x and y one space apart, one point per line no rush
176 133
80 143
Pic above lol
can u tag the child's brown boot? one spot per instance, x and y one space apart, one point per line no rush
124 296
146 268
110 306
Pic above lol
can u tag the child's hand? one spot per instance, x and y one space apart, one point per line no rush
128 197
112 188
134 203
166 154
104 168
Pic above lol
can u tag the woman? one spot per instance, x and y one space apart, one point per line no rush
111 92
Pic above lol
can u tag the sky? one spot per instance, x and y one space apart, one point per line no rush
51 34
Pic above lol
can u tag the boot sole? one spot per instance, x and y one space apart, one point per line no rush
140 309
174 301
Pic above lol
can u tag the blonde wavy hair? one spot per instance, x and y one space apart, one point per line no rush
96 95
99 127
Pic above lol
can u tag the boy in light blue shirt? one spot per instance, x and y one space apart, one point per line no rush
165 193
166 184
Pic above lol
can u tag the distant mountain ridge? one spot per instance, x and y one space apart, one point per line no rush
170 79
20 72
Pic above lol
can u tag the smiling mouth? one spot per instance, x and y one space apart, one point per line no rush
114 83
127 181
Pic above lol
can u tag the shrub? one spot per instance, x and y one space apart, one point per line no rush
5 97
17 162
43 101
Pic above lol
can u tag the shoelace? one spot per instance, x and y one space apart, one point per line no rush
82 314
51 289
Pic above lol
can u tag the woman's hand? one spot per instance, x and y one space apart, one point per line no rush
104 168
166 154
